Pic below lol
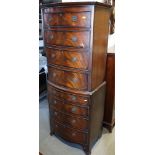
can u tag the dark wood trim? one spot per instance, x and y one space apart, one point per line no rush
76 4
76 91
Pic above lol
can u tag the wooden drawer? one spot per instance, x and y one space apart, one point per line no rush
74 9
68 58
66 96
68 79
68 19
79 39
70 134
68 108
79 123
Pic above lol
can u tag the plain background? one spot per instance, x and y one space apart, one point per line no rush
135 77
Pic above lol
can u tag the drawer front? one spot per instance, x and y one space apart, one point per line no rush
70 134
73 98
68 79
68 108
74 122
67 58
78 39
69 19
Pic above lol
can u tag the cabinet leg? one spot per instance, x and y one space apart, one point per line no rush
87 150
52 133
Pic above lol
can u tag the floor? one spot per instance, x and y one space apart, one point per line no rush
51 145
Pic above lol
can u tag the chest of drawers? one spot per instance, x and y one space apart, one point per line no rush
75 37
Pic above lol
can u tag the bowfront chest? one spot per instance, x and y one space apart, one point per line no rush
75 38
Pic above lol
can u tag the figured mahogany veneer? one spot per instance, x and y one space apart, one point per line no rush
79 19
75 38
68 108
79 123
70 134
73 80
67 58
79 39
82 100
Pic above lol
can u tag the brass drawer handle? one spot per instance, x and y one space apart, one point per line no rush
60 14
53 56
74 109
50 19
74 18
74 80
54 74
51 37
73 98
55 113
55 102
54 92
74 59
73 134
73 121
74 39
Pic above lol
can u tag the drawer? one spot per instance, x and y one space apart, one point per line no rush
68 108
73 98
68 79
70 134
68 19
68 58
79 123
79 39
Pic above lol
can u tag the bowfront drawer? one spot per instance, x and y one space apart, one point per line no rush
74 122
68 19
68 79
68 58
78 39
68 108
70 134
66 96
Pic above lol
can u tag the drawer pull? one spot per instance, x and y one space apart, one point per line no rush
74 39
50 19
55 113
55 102
51 37
53 55
73 98
73 121
54 74
74 80
74 18
74 109
73 134
74 59
54 92
60 14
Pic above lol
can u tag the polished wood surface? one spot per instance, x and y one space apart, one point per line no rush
109 116
79 39
100 41
79 123
70 134
75 37
73 19
73 80
67 107
73 59
82 100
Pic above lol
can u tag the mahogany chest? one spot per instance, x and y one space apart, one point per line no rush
75 38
